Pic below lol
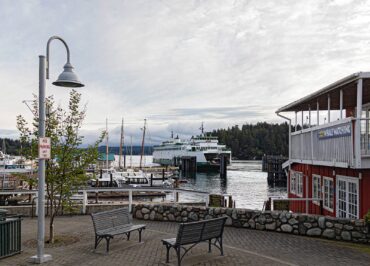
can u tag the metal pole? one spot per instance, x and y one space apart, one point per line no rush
41 173
130 200
328 108
341 103
318 113
358 124
84 202
41 257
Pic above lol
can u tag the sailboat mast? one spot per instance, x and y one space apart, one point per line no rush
123 143
131 152
4 152
120 146
142 144
107 140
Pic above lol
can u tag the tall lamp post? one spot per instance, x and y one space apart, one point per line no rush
67 79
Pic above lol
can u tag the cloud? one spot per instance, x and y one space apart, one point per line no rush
178 63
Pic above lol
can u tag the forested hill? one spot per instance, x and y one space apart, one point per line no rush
253 141
12 147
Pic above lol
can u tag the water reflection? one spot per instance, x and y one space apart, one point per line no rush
245 182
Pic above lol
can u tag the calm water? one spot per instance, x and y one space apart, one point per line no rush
245 182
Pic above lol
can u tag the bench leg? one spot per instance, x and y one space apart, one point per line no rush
108 240
140 234
221 247
168 253
209 246
128 236
96 242
178 249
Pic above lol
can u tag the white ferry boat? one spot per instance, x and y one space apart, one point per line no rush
205 149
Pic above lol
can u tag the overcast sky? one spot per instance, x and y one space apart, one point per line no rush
178 63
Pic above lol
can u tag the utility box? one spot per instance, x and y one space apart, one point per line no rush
10 234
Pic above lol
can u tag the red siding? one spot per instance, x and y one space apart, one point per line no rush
309 170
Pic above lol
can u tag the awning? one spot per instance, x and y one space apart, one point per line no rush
347 84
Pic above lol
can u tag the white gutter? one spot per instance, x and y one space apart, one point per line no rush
290 143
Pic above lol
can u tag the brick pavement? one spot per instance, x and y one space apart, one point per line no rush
241 246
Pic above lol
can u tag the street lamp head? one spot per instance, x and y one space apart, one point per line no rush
68 78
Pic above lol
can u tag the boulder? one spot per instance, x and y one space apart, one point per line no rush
260 226
271 226
321 222
287 228
138 214
152 215
171 217
346 236
329 233
314 232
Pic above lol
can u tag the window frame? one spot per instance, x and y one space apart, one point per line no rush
296 183
318 188
348 180
327 207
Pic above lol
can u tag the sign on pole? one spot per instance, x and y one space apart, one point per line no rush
44 148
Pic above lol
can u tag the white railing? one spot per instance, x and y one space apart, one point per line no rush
175 191
329 144
82 194
365 136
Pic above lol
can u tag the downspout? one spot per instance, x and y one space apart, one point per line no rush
290 143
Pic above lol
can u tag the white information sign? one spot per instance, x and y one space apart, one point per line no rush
44 148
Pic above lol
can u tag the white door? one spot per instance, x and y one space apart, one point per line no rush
347 197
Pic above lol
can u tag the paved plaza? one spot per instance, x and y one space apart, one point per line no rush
241 247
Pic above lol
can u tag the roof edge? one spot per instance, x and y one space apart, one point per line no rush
326 89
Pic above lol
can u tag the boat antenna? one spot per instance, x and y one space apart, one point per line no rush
202 128
107 143
172 134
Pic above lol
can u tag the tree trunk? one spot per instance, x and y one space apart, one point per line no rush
51 227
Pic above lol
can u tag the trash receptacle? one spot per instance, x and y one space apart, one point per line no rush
10 234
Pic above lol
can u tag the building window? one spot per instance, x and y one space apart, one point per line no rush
328 193
316 188
296 183
347 197
292 182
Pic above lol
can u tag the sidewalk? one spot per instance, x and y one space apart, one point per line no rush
241 247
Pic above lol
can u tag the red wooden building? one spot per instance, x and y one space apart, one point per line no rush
329 149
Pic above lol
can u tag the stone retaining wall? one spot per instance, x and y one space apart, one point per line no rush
293 223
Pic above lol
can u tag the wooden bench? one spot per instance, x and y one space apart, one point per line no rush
195 232
107 224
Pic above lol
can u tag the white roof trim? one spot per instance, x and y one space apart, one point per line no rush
325 90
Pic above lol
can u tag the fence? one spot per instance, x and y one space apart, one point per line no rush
10 236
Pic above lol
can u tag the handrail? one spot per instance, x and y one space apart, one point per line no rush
334 123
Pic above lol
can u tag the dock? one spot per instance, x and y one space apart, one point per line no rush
272 164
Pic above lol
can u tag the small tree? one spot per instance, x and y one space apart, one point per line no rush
65 171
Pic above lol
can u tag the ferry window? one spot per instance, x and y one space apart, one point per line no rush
328 195
316 187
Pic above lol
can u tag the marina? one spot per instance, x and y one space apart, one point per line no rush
185 133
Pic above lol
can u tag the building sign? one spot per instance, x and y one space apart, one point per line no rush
335 132
44 148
